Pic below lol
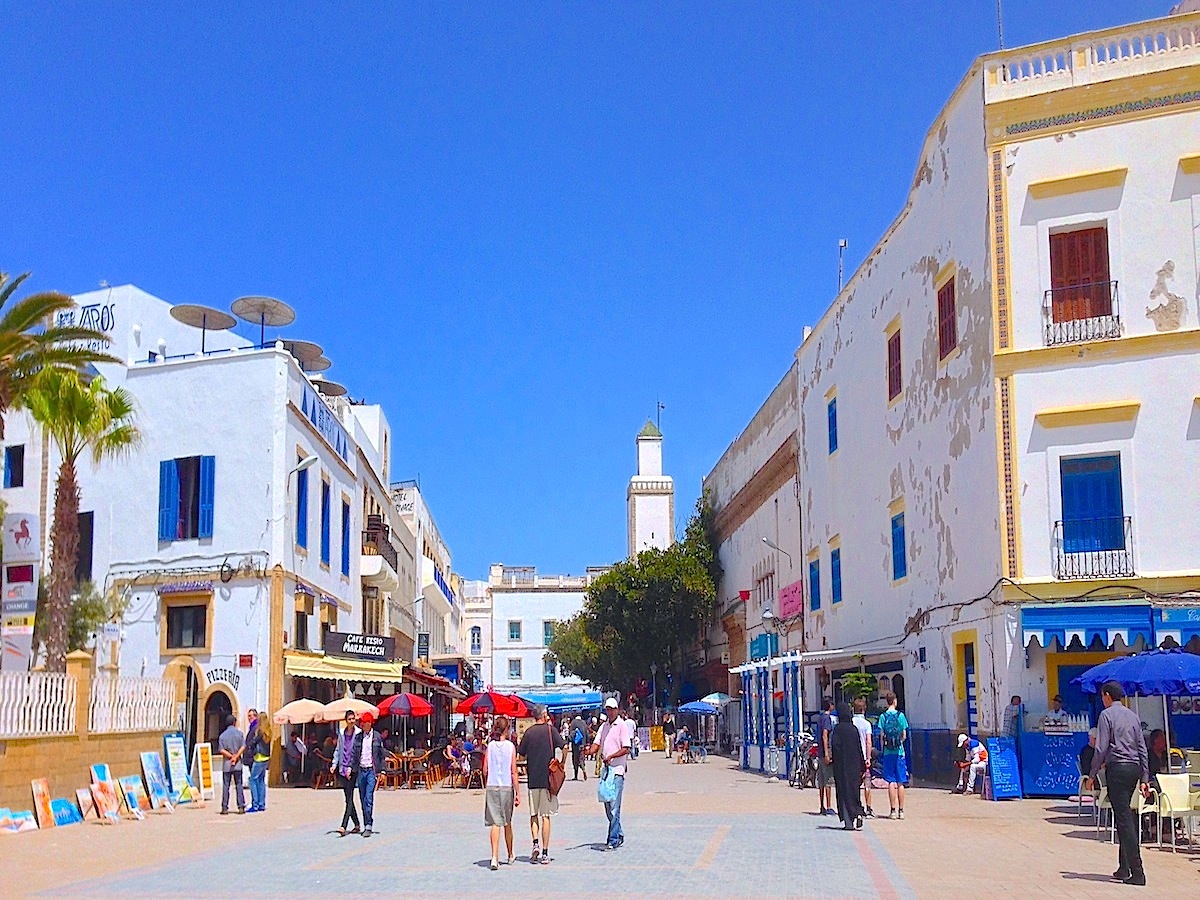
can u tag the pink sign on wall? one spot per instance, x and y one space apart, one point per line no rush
791 600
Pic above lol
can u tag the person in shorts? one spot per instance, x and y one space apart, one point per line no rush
893 729
538 747
825 757
500 795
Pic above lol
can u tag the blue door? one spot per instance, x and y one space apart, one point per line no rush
1075 701
1092 509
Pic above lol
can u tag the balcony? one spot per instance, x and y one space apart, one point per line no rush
1093 548
1082 312
380 564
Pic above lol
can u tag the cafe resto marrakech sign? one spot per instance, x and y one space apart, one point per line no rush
372 647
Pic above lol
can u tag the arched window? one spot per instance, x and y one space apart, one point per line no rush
476 641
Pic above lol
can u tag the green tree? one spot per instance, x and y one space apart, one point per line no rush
28 344
647 610
858 684
89 610
80 418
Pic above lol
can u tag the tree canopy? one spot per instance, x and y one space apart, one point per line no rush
647 610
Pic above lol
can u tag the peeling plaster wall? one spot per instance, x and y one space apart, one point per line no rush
1152 219
935 446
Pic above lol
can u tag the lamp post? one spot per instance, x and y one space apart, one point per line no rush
654 685
774 546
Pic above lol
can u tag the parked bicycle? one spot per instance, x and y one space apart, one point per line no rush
804 762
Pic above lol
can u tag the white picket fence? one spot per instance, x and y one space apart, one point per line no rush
36 704
123 703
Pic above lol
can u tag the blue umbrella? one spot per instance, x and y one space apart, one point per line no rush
706 709
1170 673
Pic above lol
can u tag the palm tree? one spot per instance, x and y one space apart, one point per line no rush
30 342
79 417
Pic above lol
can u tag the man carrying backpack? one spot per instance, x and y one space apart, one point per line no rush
579 740
894 729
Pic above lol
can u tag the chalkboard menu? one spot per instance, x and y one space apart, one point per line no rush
1003 768
1052 763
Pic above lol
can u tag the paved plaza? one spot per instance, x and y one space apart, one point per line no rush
699 830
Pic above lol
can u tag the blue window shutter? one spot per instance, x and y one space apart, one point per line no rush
814 585
345 538
208 475
168 500
325 522
899 556
835 574
832 413
302 508
1092 507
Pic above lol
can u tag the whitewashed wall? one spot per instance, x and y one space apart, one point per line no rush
532 609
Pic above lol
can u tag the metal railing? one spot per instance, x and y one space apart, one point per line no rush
1082 312
377 543
124 703
35 704
1093 548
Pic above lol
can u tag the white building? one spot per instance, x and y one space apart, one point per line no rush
477 628
437 608
995 410
650 499
253 521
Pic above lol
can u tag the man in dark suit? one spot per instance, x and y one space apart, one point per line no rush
366 762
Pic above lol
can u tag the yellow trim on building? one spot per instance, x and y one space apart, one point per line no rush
1077 184
1009 362
1049 589
944 274
1089 414
1190 164
959 640
1057 658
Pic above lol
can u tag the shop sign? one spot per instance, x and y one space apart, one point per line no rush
1188 614
227 675
373 647
245 660
791 600
449 671
423 645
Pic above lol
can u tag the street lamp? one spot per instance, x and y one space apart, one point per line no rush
774 546
309 461
654 685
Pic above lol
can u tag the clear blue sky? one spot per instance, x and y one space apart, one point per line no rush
514 225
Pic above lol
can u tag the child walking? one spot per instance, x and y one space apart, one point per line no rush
500 778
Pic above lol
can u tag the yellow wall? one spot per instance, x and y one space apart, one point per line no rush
1056 659
960 639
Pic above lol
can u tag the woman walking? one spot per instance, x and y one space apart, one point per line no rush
343 758
500 796
260 750
845 744
579 741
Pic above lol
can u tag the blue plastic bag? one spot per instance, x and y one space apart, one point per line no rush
606 790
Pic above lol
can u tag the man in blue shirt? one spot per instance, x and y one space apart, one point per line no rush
825 756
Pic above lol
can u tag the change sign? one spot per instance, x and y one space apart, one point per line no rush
373 647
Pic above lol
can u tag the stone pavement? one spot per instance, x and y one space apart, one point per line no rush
702 830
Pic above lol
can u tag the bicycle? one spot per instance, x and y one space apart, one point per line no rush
804 762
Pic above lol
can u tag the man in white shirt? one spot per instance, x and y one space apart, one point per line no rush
1056 715
612 744
864 734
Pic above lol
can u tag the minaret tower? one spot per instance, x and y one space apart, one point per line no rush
651 496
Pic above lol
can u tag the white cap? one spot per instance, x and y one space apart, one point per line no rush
611 703
962 739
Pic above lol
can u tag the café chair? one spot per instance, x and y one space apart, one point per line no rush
1092 795
1176 803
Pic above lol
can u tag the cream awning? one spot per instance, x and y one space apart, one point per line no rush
334 668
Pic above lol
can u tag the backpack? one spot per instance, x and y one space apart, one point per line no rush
577 738
893 731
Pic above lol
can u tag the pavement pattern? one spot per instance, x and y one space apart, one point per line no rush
695 830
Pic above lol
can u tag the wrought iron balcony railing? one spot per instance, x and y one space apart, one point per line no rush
1083 312
377 543
1093 548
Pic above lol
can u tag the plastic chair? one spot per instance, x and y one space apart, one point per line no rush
1176 803
1092 794
1102 802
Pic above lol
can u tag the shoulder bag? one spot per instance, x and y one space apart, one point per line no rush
557 773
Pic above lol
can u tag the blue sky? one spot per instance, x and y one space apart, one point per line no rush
514 225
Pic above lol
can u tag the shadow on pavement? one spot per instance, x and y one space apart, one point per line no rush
1088 876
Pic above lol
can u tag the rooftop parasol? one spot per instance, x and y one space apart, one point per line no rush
202 317
263 311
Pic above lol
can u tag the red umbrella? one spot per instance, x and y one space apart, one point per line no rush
405 704
492 702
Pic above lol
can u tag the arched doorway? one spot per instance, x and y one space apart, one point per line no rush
216 708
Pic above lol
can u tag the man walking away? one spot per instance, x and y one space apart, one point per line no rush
825 757
893 727
612 748
538 747
1121 750
579 742
668 726
864 733
367 758
231 744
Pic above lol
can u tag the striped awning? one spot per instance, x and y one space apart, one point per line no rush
1085 622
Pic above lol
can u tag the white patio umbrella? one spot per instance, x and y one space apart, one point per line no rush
335 711
716 699
298 712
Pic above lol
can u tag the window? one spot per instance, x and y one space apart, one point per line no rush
300 638
814 584
346 537
325 523
186 488
893 365
514 670
547 632
1092 507
899 558
186 627
835 574
302 508
514 630
476 641
14 466
831 415
1080 287
83 563
947 319
548 674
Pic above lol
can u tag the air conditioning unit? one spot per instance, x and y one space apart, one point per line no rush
725 658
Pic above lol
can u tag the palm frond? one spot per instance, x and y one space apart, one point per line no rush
34 310
9 286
